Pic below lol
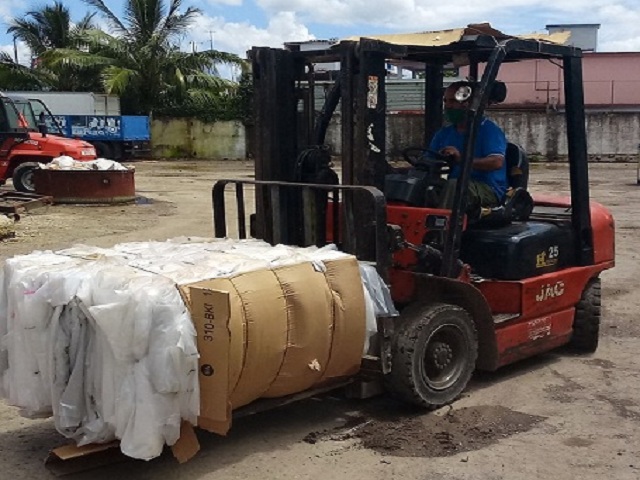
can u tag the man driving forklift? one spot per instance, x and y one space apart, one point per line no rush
488 184
491 198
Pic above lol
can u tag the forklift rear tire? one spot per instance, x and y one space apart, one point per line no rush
434 354
586 322
23 177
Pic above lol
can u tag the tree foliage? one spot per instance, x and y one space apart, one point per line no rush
14 76
49 28
138 59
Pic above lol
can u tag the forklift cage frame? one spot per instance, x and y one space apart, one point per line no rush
282 131
311 228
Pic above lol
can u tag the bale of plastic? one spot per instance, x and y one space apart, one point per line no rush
103 339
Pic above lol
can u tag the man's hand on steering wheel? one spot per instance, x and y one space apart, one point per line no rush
418 155
451 153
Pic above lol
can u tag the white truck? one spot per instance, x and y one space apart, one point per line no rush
76 103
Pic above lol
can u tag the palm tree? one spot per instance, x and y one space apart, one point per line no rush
48 28
140 60
14 76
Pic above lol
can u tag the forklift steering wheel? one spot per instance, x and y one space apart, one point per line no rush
418 156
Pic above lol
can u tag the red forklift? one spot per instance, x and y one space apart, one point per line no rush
471 294
25 143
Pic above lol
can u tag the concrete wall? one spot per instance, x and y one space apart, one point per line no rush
189 138
611 136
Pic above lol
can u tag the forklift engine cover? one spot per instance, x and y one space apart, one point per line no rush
519 250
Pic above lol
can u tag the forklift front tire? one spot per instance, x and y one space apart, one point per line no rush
23 177
586 322
434 353
103 150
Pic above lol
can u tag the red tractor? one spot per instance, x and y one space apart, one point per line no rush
24 143
471 295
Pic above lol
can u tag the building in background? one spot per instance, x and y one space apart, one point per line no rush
611 79
583 35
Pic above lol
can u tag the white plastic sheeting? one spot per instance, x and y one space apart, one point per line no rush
65 162
101 338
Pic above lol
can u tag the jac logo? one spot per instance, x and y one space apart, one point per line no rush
549 290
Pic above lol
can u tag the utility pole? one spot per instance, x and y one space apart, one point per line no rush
211 38
15 50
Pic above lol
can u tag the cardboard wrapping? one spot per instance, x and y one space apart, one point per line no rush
273 333
211 308
343 277
262 303
309 324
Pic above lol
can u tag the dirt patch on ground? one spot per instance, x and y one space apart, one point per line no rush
439 434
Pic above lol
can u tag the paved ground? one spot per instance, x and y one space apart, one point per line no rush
555 416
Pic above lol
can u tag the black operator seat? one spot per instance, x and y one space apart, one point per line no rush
517 203
517 199
517 166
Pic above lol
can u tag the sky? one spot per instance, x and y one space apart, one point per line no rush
237 25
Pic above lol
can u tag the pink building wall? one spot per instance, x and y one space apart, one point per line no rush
610 80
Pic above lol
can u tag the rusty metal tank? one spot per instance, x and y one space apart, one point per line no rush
86 186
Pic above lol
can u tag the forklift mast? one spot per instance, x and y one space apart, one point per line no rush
284 130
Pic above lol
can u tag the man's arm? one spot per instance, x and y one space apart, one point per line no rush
488 163
493 147
493 161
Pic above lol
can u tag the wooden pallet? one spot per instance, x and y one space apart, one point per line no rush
18 202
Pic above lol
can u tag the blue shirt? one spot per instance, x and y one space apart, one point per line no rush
489 141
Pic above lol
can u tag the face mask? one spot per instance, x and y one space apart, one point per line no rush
454 115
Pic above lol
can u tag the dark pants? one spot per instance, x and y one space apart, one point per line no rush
480 195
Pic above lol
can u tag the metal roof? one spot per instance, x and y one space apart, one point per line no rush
447 37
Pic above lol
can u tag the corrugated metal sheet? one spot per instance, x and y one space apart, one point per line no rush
405 95
401 94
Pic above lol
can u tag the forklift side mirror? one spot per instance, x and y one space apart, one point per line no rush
42 128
